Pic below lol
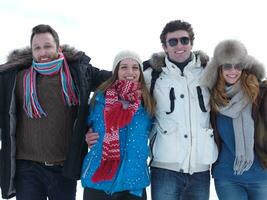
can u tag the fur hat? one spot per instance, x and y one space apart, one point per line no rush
126 54
232 52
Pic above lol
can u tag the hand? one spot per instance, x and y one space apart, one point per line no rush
91 138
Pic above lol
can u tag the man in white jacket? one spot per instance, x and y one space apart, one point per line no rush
182 143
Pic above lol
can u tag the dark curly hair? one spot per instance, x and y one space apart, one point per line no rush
177 25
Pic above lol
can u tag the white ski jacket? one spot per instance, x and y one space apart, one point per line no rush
181 138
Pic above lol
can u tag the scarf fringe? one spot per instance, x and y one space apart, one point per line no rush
31 105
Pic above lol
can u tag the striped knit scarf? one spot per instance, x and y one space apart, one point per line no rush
122 101
32 106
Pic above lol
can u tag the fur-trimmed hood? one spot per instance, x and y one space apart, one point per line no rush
23 57
157 60
232 52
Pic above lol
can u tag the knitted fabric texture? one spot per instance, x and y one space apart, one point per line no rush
32 106
239 109
124 55
122 101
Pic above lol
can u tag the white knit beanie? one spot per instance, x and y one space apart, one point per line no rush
126 54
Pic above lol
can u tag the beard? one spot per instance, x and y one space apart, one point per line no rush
46 58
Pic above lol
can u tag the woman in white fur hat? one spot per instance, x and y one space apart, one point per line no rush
121 113
239 119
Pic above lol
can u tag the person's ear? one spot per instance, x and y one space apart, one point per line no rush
164 48
59 50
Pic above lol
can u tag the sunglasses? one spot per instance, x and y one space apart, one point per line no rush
228 66
174 41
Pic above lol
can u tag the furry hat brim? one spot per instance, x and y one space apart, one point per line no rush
233 52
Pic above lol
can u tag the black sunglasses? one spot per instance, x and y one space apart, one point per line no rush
228 66
174 41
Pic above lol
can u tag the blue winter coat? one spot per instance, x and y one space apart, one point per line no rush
132 174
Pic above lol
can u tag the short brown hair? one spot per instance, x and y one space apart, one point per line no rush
43 28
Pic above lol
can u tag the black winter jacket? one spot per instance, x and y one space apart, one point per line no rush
86 78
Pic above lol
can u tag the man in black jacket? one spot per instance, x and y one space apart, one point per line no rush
44 92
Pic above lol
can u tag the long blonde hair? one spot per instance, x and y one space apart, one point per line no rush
148 101
249 83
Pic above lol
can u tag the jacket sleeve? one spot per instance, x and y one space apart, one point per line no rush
261 127
263 107
98 76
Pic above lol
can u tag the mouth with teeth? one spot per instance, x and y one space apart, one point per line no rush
129 78
232 76
44 59
179 52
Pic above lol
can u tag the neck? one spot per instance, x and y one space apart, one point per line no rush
181 65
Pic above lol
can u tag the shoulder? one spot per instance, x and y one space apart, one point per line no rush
156 62
73 55
263 88
18 58
99 98
201 57
153 66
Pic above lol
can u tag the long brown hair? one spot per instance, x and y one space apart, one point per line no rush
148 101
249 83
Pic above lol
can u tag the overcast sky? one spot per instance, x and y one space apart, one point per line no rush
101 28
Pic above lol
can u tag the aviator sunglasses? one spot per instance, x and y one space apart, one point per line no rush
228 66
174 41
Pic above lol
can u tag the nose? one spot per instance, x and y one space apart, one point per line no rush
233 69
42 52
130 70
179 44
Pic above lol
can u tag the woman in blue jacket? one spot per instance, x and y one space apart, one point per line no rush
121 112
238 102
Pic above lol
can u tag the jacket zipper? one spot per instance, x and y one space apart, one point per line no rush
190 125
124 152
88 166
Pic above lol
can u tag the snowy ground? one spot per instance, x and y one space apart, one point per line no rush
80 192
213 195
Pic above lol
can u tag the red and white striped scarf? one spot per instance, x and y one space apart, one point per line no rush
122 101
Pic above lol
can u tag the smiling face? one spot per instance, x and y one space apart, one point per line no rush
44 48
232 75
180 52
129 69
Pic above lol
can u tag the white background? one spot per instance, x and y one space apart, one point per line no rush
101 28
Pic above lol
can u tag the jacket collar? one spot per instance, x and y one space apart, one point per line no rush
22 58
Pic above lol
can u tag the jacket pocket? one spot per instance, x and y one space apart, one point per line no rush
172 101
203 99
207 151
163 95
168 145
